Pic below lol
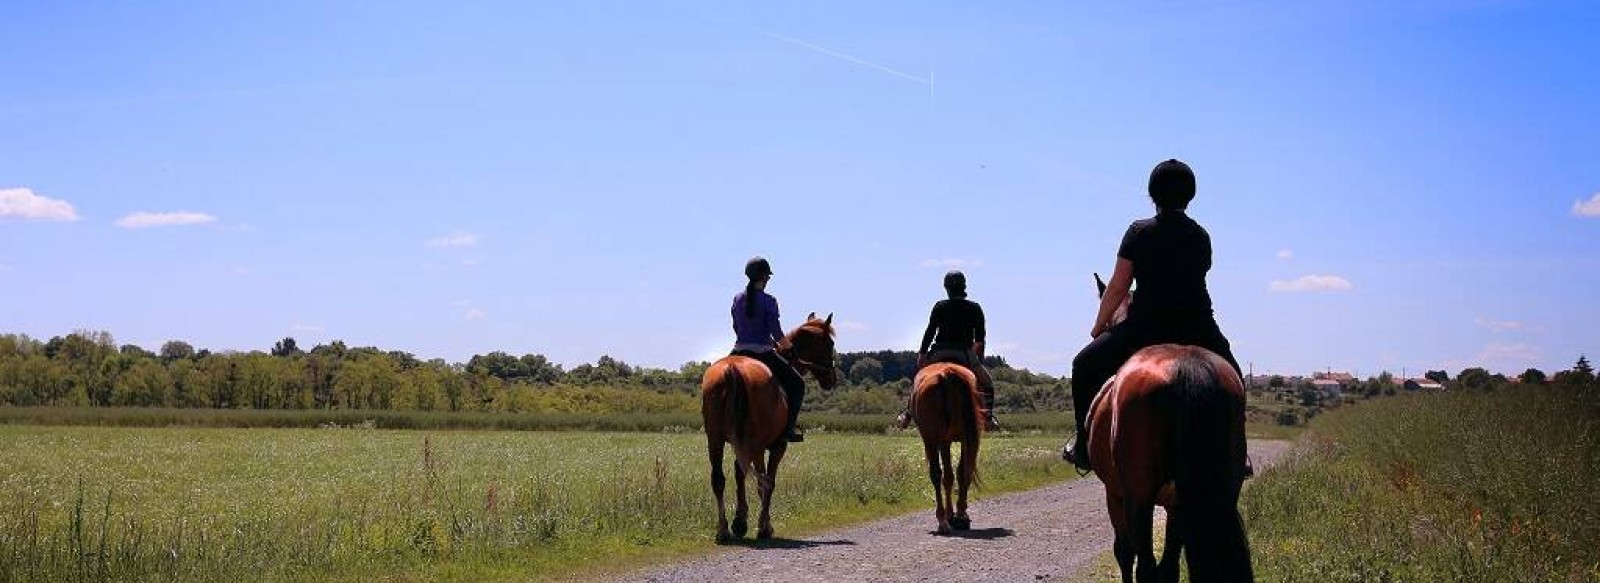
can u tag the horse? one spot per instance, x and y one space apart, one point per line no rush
743 406
947 407
1168 430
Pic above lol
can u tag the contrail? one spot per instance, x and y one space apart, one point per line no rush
837 54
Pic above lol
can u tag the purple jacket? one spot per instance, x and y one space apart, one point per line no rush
760 331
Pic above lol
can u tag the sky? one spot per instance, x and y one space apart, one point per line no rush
1388 186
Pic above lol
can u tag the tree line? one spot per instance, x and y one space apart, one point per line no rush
88 368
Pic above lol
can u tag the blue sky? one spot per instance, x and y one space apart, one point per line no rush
1387 187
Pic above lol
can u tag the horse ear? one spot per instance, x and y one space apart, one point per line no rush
811 316
829 321
1098 284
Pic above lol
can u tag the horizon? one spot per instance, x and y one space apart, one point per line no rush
1385 189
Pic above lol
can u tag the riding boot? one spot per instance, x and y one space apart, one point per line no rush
1077 450
989 422
904 419
796 398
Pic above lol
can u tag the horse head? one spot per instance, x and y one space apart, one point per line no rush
1122 311
811 349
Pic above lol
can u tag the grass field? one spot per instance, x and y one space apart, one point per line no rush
95 503
1453 487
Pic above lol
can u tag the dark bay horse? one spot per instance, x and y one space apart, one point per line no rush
947 407
1168 429
743 406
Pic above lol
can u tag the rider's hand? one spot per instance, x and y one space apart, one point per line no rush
922 361
1098 329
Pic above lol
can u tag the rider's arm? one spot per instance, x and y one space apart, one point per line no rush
927 335
1116 293
978 333
774 329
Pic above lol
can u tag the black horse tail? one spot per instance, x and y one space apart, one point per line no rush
1206 474
962 401
736 404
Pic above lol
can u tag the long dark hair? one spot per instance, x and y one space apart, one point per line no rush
750 298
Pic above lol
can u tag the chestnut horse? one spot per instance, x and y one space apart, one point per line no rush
743 405
1168 429
947 407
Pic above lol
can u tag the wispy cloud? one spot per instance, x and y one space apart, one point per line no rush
1589 208
850 326
1285 253
1508 356
22 203
1500 325
951 263
1311 283
306 328
145 220
456 239
475 314
850 58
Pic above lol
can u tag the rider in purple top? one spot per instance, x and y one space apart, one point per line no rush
759 336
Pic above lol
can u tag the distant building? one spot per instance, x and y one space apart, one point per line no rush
1422 384
1330 388
1343 378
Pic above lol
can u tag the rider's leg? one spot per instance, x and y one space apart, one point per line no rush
1096 363
794 390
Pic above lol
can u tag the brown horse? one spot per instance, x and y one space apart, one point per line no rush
742 405
1168 429
947 407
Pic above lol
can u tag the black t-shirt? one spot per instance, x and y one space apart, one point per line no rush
958 323
1171 255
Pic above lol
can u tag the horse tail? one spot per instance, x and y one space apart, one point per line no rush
962 401
736 404
1206 474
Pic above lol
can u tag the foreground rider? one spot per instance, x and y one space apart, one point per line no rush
1168 255
759 336
955 334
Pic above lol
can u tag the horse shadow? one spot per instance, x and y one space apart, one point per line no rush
786 543
978 534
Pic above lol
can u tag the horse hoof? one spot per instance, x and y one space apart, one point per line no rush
740 527
960 523
724 537
944 529
764 534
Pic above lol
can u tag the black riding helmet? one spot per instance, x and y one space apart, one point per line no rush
1172 185
955 282
757 267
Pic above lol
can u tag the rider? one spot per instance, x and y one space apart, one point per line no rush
755 322
1168 255
955 334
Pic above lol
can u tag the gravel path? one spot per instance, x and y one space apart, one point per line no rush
1043 534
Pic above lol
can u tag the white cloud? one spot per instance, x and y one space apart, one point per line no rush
306 327
1500 325
475 314
1312 283
1285 253
1590 208
456 239
143 220
951 263
850 326
22 203
1508 356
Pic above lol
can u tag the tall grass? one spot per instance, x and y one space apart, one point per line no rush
295 504
1494 486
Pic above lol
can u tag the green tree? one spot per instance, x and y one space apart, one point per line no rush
866 370
1532 376
1437 376
146 384
286 348
176 350
1474 378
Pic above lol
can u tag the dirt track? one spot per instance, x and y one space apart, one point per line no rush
1038 535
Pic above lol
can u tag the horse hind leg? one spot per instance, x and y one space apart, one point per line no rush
949 480
1123 547
718 482
964 481
1173 547
741 510
1141 519
931 451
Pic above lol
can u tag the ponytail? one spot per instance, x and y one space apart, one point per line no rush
750 298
